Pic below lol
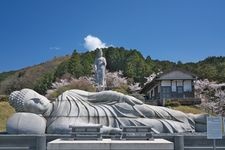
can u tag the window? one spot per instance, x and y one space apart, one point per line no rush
151 93
180 89
166 91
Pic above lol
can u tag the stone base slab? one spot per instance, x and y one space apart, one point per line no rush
108 144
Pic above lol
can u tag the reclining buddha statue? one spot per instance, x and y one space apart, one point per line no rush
35 113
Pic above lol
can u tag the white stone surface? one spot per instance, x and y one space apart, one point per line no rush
108 108
26 123
108 144
100 67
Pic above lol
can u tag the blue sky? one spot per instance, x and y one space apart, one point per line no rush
33 31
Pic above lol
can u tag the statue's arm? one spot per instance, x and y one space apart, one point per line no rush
95 65
105 62
106 97
112 96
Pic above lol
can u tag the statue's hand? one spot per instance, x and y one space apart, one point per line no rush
110 130
132 100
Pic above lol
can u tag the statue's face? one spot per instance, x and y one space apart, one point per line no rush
29 101
36 103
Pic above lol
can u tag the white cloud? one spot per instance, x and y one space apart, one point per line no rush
54 48
92 42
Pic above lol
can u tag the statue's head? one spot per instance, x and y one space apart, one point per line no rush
27 100
100 53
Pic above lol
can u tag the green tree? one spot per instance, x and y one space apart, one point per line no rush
74 65
135 66
115 58
221 72
87 63
44 83
61 69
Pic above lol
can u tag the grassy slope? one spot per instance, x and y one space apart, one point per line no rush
5 112
189 109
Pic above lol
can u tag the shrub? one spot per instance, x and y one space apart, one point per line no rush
80 84
122 89
172 104
3 98
5 112
190 109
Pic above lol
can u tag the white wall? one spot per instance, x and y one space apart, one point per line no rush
174 86
187 86
179 82
166 83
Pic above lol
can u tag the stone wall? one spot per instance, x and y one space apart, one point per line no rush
190 141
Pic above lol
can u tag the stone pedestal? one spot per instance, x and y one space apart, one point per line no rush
108 144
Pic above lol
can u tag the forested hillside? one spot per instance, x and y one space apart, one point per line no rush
27 77
212 68
131 62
